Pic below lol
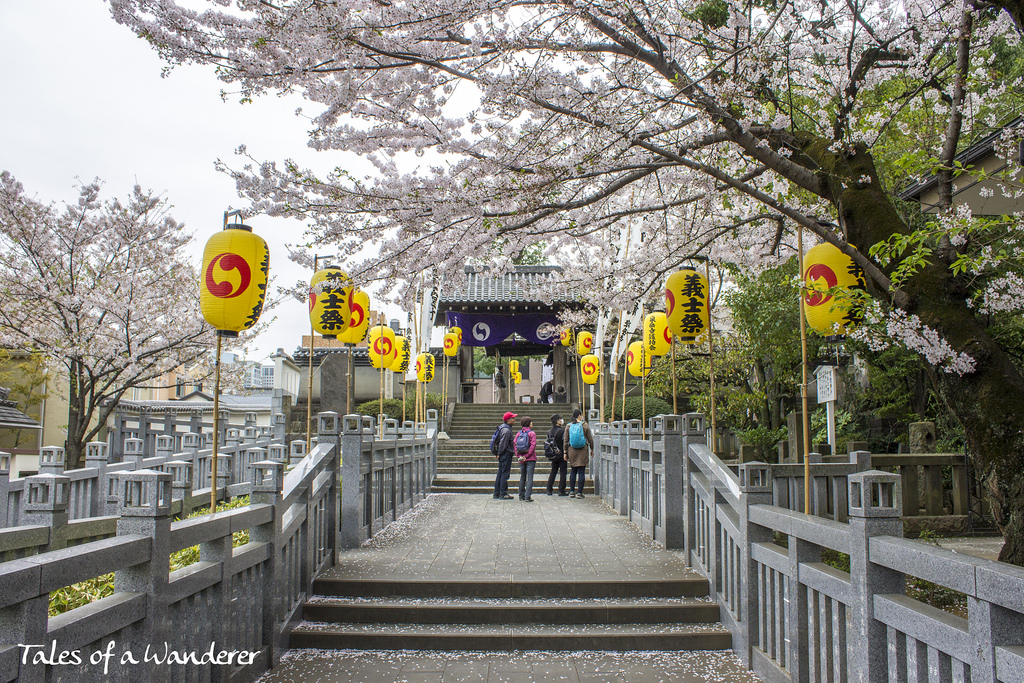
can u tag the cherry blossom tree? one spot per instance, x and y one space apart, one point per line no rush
716 128
103 290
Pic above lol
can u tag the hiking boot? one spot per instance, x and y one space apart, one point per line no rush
572 495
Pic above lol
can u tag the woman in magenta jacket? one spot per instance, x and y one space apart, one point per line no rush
527 460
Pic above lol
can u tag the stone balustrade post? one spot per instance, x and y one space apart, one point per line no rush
224 417
693 435
250 434
755 489
278 452
133 452
164 445
5 486
250 419
51 460
145 510
278 427
327 427
267 479
181 483
875 500
96 458
671 428
298 451
620 435
351 475
432 428
44 502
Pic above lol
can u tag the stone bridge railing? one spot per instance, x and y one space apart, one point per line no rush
792 616
224 617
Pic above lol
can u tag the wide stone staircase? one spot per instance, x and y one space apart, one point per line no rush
464 461
496 614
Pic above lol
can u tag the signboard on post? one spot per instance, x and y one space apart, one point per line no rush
826 375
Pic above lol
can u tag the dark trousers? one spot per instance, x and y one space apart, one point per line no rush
504 469
526 478
581 473
558 467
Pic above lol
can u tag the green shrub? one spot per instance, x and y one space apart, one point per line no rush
764 441
393 406
635 408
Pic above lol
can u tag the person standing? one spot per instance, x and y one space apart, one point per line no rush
526 452
499 385
577 442
553 452
502 447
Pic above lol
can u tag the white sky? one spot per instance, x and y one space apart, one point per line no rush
82 98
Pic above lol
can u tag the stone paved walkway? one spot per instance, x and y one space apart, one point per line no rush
477 537
463 537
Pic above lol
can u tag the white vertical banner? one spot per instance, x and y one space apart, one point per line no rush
431 301
632 321
602 324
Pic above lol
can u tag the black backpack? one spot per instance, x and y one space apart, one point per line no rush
551 450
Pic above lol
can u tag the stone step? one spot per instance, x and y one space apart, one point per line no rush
684 585
511 611
612 637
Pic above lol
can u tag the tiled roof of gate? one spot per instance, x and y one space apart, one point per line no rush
12 418
524 284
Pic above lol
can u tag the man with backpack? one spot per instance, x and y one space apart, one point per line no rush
578 442
503 449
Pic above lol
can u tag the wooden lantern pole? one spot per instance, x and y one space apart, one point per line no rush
216 426
711 361
803 373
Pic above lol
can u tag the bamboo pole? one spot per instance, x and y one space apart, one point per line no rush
803 374
309 390
380 408
675 397
711 361
216 426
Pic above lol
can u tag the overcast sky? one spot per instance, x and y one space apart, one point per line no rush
83 98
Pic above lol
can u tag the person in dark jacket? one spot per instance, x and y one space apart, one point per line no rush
577 432
560 396
558 463
506 451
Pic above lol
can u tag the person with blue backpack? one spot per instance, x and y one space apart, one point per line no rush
526 453
503 449
578 443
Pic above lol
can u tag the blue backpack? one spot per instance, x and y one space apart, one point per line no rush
496 440
522 442
576 437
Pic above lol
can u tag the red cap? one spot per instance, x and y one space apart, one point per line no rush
508 416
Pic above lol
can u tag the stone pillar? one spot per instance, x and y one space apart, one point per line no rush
298 451
51 460
351 475
795 427
181 482
44 502
327 430
693 435
334 383
875 506
278 452
672 436
96 458
5 486
756 489
145 510
267 479
279 426
250 434
133 452
164 446
560 373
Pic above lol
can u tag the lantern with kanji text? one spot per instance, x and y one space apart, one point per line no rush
359 306
637 361
657 337
686 304
425 367
828 273
330 295
402 353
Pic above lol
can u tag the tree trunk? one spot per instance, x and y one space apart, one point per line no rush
73 448
987 400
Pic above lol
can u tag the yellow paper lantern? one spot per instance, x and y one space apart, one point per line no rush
590 366
686 304
330 299
402 355
517 377
451 344
233 282
513 367
425 367
566 337
382 349
359 306
657 337
584 343
637 361
457 331
826 267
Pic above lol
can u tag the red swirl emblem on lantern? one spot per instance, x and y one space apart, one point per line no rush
222 264
828 274
382 346
590 367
